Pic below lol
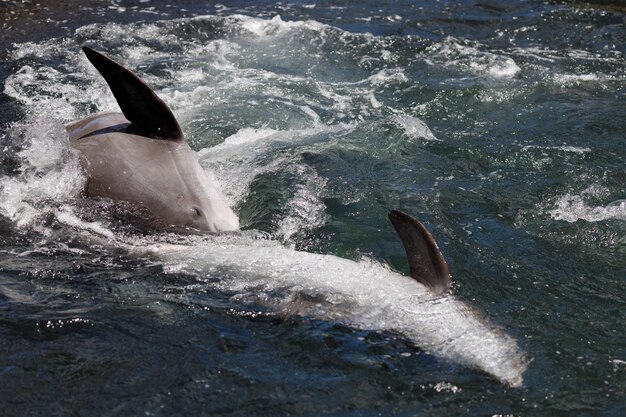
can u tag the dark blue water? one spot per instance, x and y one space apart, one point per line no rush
499 124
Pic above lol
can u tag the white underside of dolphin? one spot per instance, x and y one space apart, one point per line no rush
363 294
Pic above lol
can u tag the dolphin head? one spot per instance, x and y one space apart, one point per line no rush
164 177
179 191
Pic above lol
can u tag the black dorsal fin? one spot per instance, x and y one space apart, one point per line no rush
426 261
147 112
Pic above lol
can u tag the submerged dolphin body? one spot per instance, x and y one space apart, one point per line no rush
363 294
141 156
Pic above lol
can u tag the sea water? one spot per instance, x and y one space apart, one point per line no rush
499 125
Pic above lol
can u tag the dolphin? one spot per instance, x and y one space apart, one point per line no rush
363 294
141 157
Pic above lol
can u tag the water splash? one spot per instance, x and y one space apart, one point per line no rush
49 175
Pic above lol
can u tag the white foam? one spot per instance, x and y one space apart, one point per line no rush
66 214
414 127
19 85
249 143
306 210
276 26
541 54
48 92
563 148
388 76
246 136
373 101
571 208
342 103
315 118
569 79
502 68
551 55
453 53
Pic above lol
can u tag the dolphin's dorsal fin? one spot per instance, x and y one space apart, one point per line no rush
147 112
426 261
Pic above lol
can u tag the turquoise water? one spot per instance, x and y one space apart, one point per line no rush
499 125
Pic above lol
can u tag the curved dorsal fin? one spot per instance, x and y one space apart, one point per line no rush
426 261
147 112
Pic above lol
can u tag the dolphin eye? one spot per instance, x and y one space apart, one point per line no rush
196 211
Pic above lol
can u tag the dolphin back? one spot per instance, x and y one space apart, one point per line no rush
148 114
426 262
